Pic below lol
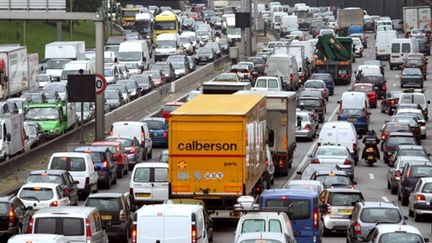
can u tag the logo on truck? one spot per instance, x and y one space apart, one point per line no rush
198 146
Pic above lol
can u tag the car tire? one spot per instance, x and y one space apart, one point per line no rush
326 231
120 174
404 201
417 218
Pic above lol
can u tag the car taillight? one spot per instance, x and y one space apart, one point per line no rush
30 226
54 204
88 229
315 161
194 233
281 163
165 134
307 127
105 164
384 86
397 174
387 148
315 219
12 217
420 197
87 181
347 162
132 150
357 228
122 216
354 147
134 233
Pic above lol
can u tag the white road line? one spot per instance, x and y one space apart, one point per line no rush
305 158
385 199
371 176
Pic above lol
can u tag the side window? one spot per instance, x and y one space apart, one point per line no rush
66 180
19 204
275 226
418 186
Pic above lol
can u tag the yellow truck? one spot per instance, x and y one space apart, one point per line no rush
128 16
217 150
165 23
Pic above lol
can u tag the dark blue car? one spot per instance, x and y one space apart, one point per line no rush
359 117
327 79
158 127
302 208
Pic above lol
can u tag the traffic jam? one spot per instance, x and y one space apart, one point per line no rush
321 136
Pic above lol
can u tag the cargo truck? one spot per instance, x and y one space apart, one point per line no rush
217 147
417 17
281 125
58 53
347 17
334 56
33 70
12 137
214 87
13 70
54 118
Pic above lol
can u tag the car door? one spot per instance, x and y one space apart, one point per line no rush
160 183
73 189
148 141
91 171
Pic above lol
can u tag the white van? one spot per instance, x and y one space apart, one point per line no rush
400 48
109 58
77 224
80 166
276 65
383 44
167 45
73 67
149 183
134 129
170 223
192 36
353 99
135 55
341 133
309 48
38 238
289 22
277 19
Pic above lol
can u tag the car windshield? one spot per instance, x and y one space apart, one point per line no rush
56 63
169 108
104 204
178 65
68 163
323 151
166 44
204 51
400 140
413 152
314 85
36 193
108 72
226 77
43 78
330 180
297 209
30 130
44 178
398 128
344 198
129 56
155 125
400 237
321 76
111 95
363 88
421 171
129 85
42 114
380 215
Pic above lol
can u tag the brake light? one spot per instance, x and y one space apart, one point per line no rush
54 204
122 215
384 86
88 229
165 134
347 162
307 127
235 214
87 180
105 164
30 226
134 233
420 197
354 147
12 217
357 228
315 219
387 148
315 161
132 150
397 174
194 233
408 172
281 163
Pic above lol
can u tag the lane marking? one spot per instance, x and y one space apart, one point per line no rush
305 158
385 199
371 176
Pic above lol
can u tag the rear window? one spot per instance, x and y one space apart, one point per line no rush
44 179
299 209
151 175
401 140
421 171
60 226
39 193
333 180
344 198
395 48
406 47
413 152
400 237
353 112
155 125
305 102
253 225
104 204
68 163
4 208
381 215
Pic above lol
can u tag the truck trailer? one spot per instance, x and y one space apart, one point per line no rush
12 138
417 17
13 70
347 17
217 147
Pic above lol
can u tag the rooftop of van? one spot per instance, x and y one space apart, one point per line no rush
267 93
65 211
289 192
69 154
219 105
128 123
150 164
168 209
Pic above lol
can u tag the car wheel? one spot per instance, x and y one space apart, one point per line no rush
404 200
410 212
417 217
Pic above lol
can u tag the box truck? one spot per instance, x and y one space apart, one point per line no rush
58 53
417 17
347 17
13 70
217 147
12 137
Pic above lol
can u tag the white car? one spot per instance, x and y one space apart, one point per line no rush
419 199
42 195
358 47
395 233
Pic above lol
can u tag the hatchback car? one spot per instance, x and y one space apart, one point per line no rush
132 87
334 154
144 81
366 215
306 126
411 174
119 155
327 79
390 127
419 201
115 212
395 233
205 55
415 61
113 99
318 85
131 147
312 104
409 150
42 195
411 77
394 173
14 216
158 130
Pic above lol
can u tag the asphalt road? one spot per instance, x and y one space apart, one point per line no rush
371 180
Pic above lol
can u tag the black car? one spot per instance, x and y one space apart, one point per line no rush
313 104
394 140
205 55
167 70
379 83
412 77
34 133
61 177
132 87
144 81
224 46
113 98
116 214
259 64
424 46
411 174
14 216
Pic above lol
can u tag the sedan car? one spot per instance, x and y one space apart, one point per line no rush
394 173
42 195
388 105
369 90
409 150
205 55
417 62
317 85
419 200
394 140
327 79
306 126
411 77
131 147
132 87
333 154
114 99
34 133
393 127
144 81
158 130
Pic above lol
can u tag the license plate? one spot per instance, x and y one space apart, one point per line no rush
352 119
106 217
142 195
381 50
370 157
345 211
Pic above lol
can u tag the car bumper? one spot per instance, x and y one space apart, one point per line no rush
336 223
304 134
423 207
133 158
412 83
383 56
85 190
159 141
140 202
116 230
102 176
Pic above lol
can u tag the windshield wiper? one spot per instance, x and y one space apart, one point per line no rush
34 198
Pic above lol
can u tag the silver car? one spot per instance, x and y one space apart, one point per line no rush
333 154
419 201
394 173
306 126
366 215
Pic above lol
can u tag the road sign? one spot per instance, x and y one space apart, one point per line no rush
101 84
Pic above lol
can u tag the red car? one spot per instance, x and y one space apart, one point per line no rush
169 107
369 90
119 155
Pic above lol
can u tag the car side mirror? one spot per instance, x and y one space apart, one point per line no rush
428 102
